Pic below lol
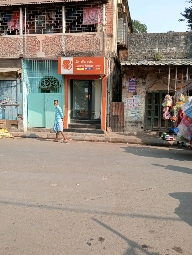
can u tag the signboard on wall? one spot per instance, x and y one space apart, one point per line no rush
81 65
132 85
65 65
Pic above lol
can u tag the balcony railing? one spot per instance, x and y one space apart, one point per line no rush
50 46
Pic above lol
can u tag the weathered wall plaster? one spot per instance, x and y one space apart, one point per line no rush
149 79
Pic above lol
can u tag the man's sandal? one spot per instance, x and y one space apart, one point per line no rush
64 141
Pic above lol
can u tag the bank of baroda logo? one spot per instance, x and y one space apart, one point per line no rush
67 65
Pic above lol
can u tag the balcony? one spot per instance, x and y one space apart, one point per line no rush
50 46
49 31
122 33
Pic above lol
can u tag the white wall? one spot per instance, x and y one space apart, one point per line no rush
97 99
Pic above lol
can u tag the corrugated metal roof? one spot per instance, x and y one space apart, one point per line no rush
22 2
178 62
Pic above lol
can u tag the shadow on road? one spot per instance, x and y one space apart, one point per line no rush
181 169
84 210
133 246
184 211
180 155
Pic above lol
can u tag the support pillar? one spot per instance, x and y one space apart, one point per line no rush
104 103
66 100
20 21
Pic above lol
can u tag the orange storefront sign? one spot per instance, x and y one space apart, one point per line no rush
81 65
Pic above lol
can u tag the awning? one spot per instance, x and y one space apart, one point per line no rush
10 73
6 70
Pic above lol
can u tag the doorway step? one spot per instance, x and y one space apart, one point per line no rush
85 126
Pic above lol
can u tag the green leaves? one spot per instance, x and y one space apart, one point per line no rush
187 15
138 27
157 56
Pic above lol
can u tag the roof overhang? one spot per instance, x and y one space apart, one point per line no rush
176 62
28 2
7 70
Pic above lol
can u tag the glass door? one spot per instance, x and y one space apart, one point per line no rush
86 99
81 96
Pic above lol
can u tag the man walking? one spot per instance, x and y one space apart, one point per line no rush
58 123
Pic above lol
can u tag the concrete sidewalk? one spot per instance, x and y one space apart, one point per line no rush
110 137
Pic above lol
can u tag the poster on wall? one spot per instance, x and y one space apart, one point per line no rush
132 107
132 85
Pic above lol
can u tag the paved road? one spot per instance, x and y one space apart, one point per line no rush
94 199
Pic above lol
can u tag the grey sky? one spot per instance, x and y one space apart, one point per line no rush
159 15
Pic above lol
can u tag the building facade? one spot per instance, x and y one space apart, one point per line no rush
156 65
65 50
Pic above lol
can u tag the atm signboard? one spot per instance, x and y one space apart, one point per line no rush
81 65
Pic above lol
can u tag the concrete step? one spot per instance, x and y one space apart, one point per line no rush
82 125
111 138
40 130
73 128
84 130
94 122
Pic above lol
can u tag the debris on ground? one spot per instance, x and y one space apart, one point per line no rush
5 133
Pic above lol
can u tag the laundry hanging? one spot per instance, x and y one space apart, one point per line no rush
13 23
92 15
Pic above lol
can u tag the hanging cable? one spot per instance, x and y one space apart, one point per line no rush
175 83
25 32
187 78
169 80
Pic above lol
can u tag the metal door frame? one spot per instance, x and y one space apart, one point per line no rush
89 100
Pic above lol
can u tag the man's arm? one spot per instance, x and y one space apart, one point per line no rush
60 112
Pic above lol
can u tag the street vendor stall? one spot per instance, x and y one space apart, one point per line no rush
185 127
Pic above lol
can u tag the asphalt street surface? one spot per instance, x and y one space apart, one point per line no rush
87 198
